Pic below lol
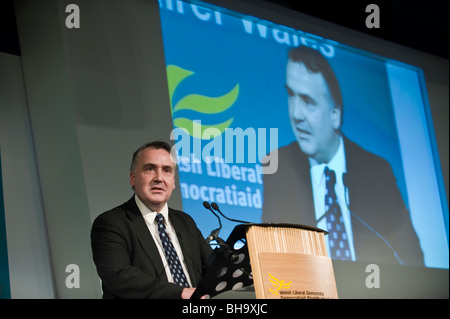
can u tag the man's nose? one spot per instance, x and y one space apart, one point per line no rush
298 108
157 176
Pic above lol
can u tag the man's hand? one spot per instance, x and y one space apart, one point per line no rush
187 293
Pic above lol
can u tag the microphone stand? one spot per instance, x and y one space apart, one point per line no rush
224 249
216 207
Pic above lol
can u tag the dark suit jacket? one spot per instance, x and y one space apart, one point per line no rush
127 258
374 197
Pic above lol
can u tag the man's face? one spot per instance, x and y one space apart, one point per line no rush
314 119
154 177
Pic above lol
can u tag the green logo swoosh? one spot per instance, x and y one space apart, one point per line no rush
198 103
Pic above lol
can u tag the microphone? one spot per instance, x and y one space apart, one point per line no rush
365 224
215 233
224 248
216 207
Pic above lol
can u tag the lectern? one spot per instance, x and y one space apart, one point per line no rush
290 262
282 261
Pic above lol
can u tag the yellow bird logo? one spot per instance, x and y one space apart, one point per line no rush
278 284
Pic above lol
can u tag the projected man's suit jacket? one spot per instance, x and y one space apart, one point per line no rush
373 196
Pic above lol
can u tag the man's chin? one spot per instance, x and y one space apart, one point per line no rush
157 199
305 146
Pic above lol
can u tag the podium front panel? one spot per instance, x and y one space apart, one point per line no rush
296 276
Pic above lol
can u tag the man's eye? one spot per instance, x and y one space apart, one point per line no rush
308 100
289 91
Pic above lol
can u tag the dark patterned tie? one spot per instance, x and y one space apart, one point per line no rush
171 255
338 241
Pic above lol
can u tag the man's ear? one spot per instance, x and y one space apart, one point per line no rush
132 179
336 117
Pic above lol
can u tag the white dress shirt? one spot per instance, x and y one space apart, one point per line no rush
149 217
337 164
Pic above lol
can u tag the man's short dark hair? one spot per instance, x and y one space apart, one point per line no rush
155 144
315 62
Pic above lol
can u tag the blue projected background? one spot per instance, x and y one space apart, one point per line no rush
227 71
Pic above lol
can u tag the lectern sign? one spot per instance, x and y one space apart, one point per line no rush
278 285
290 262
299 276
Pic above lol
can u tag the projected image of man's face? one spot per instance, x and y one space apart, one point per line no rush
314 119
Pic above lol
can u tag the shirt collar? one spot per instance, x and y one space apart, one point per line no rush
337 164
148 213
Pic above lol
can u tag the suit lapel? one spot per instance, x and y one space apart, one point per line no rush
356 176
148 244
304 199
143 235
181 230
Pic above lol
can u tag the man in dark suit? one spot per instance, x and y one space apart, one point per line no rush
134 259
374 223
